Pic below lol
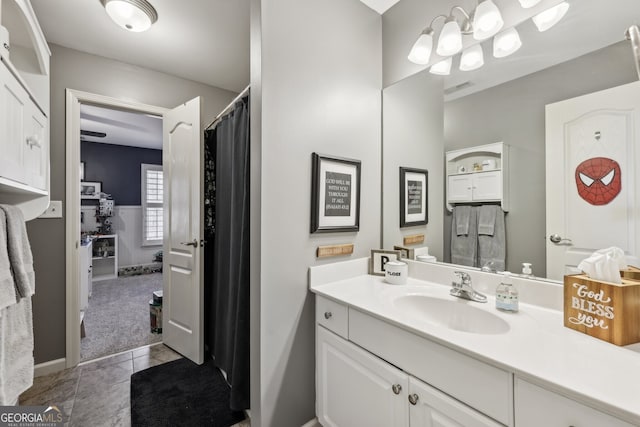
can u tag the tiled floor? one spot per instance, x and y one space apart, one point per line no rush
98 393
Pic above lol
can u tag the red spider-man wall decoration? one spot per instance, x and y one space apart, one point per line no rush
598 180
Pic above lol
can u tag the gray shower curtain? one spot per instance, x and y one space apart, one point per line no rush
227 250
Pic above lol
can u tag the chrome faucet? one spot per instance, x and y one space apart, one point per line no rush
463 289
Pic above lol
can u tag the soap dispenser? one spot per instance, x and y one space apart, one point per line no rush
507 295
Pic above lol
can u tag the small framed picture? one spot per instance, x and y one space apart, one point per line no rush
335 194
81 171
90 190
413 197
406 253
379 258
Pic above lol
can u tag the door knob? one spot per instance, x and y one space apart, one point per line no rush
555 238
194 243
413 399
397 388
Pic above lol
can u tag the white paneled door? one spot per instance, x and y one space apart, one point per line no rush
183 303
593 182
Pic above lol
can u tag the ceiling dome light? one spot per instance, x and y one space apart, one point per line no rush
506 43
472 58
132 15
442 68
421 50
528 3
450 41
487 20
550 17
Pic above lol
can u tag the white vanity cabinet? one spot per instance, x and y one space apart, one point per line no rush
430 407
535 407
486 182
355 387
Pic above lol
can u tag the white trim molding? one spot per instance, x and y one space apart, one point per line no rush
72 239
46 368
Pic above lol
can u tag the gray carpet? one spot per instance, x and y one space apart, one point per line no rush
118 316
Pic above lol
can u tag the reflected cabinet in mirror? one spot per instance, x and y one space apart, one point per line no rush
566 104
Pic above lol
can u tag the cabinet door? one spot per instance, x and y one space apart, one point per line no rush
36 149
432 408
487 186
535 406
460 188
13 100
355 388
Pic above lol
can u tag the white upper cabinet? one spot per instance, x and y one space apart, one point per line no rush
478 175
24 109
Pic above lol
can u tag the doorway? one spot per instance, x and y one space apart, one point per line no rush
117 238
121 203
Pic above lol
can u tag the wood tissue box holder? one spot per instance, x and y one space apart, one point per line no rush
604 310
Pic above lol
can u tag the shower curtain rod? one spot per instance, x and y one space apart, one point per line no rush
228 107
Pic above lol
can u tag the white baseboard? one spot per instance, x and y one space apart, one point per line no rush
49 367
313 423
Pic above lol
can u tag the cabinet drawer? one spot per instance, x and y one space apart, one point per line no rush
535 406
479 385
332 315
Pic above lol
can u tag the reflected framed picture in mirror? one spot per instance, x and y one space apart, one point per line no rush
335 194
413 197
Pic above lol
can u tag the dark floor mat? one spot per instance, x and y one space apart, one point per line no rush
181 393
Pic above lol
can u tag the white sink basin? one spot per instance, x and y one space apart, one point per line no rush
460 315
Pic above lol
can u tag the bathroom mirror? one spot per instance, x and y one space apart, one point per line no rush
426 115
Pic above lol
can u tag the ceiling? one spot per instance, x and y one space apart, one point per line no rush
380 6
121 127
207 42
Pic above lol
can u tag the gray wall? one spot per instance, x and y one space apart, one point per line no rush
90 73
319 80
118 168
413 137
514 113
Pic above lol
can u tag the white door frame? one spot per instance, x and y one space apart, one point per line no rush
72 222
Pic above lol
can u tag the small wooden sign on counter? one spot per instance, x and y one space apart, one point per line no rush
604 310
414 239
334 250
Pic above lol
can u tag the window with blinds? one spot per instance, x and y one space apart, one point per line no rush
151 197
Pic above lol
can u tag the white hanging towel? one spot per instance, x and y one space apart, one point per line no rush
7 285
19 251
16 320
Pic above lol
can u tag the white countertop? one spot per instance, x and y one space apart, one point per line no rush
537 347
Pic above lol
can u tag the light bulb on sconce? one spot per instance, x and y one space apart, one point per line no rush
551 16
450 41
487 20
421 50
506 43
472 58
442 68
528 3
